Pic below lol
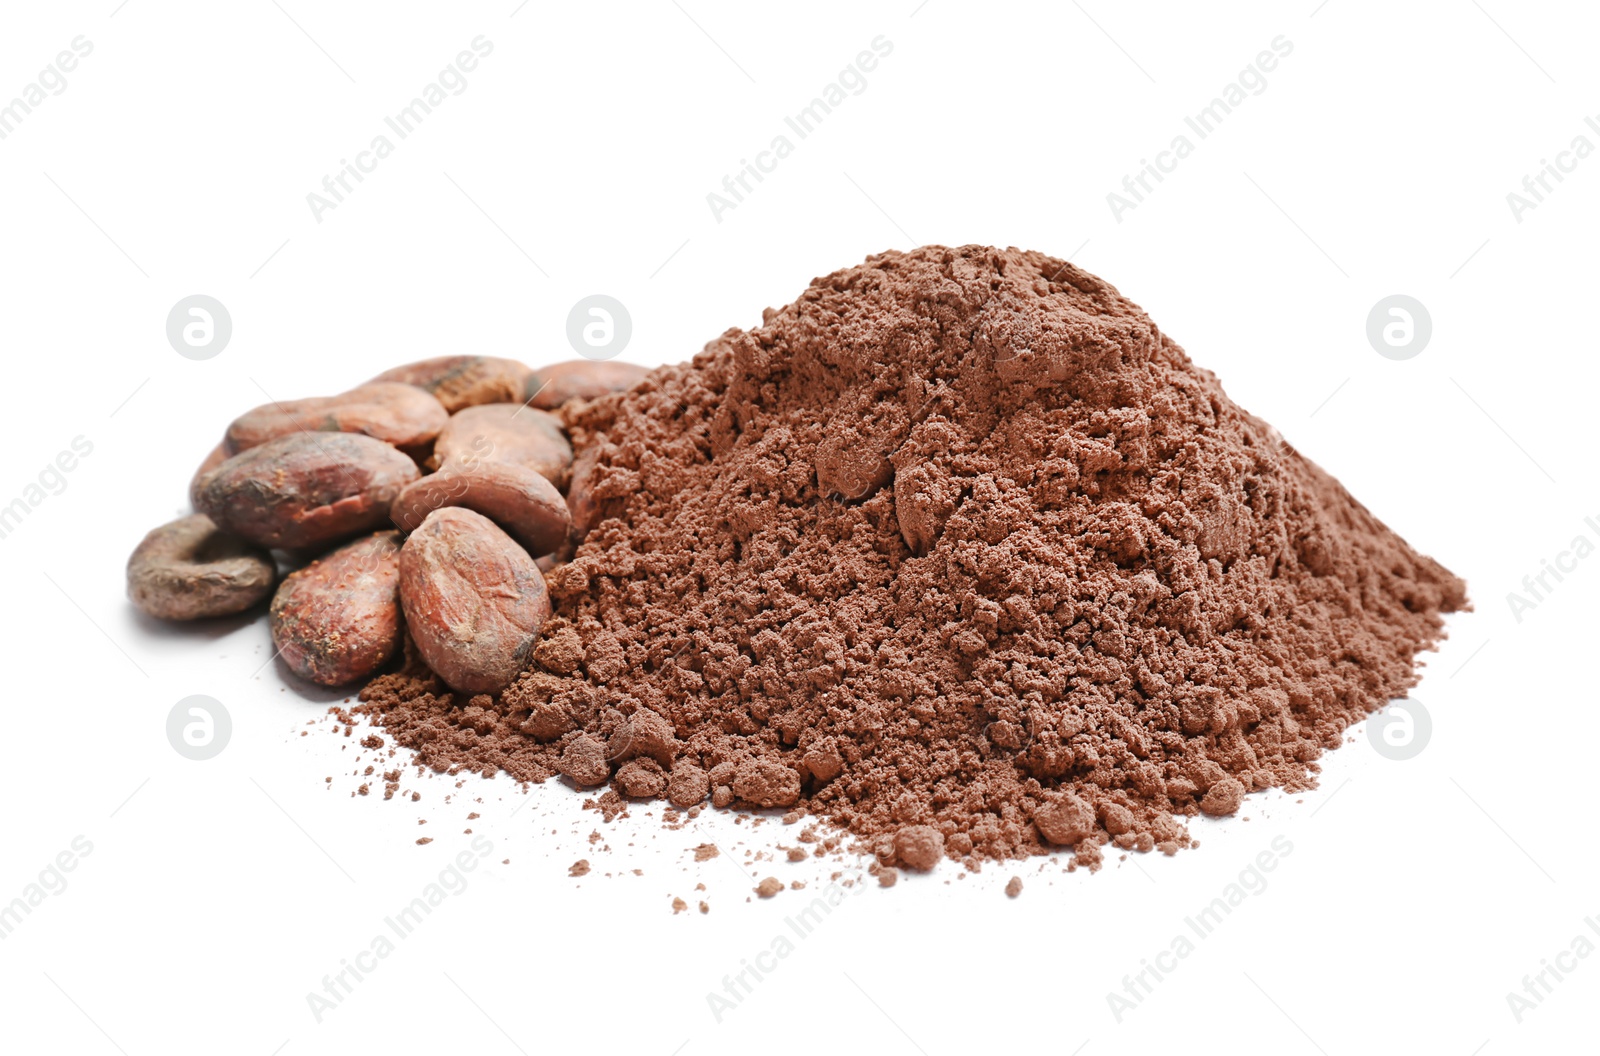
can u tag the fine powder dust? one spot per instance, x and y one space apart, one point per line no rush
960 553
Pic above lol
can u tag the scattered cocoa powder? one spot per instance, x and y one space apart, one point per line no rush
959 552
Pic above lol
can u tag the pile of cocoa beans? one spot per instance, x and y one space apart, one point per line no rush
430 500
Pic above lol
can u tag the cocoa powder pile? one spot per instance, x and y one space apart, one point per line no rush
960 553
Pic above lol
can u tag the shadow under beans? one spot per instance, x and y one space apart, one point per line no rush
217 628
210 630
312 693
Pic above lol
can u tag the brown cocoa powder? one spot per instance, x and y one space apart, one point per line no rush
959 552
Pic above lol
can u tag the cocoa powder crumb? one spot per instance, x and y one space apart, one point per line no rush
579 868
769 887
1014 887
919 847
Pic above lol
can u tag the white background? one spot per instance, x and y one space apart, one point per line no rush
1376 161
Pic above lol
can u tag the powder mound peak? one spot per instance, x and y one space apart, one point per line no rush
907 336
959 541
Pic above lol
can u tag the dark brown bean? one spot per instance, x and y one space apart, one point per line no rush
473 599
307 490
579 379
337 620
514 497
464 381
190 569
402 415
506 432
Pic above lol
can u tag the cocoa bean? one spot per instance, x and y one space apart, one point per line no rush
464 381
218 455
581 503
516 498
579 379
473 599
337 620
506 432
402 415
306 490
190 569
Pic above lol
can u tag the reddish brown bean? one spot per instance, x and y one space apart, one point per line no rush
190 569
464 381
307 490
337 620
473 600
402 415
506 432
581 503
218 455
516 498
579 379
